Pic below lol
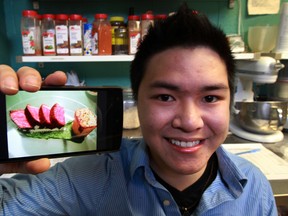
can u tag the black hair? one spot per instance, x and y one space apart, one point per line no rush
186 29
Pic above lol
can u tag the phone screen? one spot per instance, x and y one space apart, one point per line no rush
60 122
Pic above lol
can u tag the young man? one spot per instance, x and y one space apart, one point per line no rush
182 79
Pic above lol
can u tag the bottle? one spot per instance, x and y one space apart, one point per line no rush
121 41
87 39
116 22
75 34
134 34
101 35
62 34
29 26
48 34
146 21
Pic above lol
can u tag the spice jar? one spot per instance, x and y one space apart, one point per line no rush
101 35
134 34
30 35
116 22
121 41
62 34
48 34
147 20
75 34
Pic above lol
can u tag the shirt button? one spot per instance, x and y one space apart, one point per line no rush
166 202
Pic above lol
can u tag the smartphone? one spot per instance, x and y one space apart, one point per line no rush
60 122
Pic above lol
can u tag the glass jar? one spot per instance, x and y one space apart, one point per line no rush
116 22
29 26
75 34
48 34
62 34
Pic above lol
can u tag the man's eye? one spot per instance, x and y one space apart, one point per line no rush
165 98
210 99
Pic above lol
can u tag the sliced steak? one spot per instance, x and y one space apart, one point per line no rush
20 119
32 114
44 115
57 116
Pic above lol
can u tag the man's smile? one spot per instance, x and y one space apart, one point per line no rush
185 144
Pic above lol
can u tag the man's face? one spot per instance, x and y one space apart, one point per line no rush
183 106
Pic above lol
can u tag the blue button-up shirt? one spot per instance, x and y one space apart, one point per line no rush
122 183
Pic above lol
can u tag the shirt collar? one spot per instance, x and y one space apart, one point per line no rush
234 178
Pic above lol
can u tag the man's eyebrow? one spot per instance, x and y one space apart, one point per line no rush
166 85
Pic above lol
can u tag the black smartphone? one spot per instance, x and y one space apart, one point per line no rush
60 122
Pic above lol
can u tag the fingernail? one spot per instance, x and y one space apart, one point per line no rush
32 81
9 83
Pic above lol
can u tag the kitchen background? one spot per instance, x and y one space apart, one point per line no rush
115 73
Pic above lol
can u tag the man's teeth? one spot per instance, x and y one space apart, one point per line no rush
184 144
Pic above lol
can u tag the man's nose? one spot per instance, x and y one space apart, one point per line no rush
188 117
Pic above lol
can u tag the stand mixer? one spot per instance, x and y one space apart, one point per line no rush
262 71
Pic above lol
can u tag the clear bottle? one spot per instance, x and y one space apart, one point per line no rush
116 22
147 20
29 26
48 34
62 34
101 35
75 34
134 33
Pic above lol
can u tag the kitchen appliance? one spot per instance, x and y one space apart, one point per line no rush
264 120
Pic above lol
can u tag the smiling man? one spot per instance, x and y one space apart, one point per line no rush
182 78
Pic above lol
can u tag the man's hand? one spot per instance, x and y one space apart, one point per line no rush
30 80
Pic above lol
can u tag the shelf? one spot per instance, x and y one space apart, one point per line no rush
109 58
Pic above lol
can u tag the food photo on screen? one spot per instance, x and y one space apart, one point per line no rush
51 122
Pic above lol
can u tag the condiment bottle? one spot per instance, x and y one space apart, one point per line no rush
116 22
62 34
134 34
29 25
48 34
101 35
146 21
75 34
121 41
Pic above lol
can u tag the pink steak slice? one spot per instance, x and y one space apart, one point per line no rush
44 115
20 119
57 116
32 114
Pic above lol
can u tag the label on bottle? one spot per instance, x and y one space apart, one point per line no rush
48 39
134 40
28 41
87 37
95 44
62 39
75 40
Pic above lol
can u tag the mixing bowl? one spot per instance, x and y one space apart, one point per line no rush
264 117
